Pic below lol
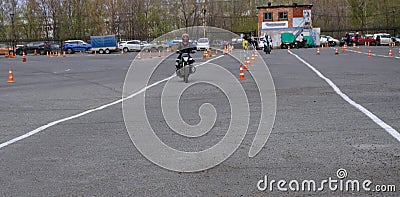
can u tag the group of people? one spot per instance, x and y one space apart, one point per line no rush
354 38
254 42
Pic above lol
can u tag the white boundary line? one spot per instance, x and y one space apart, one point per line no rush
39 129
373 54
365 111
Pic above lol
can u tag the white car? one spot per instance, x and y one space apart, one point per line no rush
132 45
383 38
121 45
203 44
328 39
148 46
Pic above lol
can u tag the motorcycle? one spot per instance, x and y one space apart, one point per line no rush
186 66
302 44
267 47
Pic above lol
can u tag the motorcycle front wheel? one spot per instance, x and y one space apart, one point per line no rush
186 74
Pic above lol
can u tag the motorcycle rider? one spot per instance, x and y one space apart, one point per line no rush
300 39
184 47
267 41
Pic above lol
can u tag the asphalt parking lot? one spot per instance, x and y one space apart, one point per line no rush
63 133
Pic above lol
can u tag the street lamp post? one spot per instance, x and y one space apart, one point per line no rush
204 21
13 32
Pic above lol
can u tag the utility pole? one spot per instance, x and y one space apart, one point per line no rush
204 18
13 32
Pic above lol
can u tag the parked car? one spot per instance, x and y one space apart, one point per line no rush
121 45
41 47
71 46
260 43
175 41
132 45
203 44
55 48
396 40
383 38
5 49
328 39
365 39
148 46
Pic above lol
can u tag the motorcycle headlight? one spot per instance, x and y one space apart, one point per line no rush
185 58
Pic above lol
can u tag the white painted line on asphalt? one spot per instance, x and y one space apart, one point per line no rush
37 130
373 54
365 111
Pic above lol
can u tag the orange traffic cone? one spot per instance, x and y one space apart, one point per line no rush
23 57
139 57
34 52
288 48
6 55
64 54
210 53
390 52
205 54
247 62
336 51
354 45
241 74
95 53
318 52
10 76
47 53
216 52
245 67
322 47
159 53
369 53
253 58
122 52
150 55
143 55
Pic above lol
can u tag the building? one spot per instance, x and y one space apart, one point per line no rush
276 19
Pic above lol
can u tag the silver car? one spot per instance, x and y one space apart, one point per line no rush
132 45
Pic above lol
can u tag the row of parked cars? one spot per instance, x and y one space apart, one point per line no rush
137 45
361 39
71 46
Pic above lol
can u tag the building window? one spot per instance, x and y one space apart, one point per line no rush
282 16
268 16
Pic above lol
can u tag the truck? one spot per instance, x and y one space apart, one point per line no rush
104 44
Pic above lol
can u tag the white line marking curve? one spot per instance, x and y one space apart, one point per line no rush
365 111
